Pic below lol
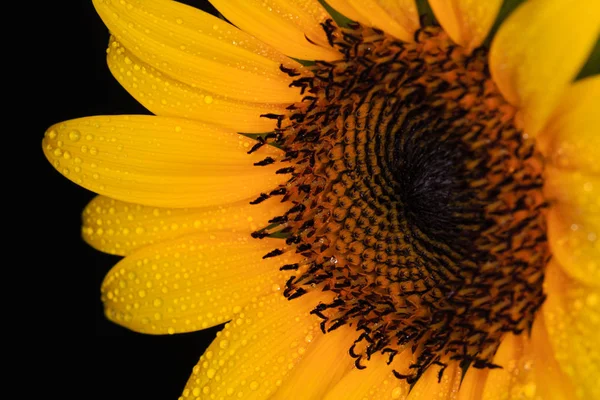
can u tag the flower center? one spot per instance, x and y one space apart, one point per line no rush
414 199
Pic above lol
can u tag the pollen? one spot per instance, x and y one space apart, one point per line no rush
414 198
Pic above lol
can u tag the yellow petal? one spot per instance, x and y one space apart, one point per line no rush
550 382
120 228
570 139
325 363
575 243
572 313
514 367
466 21
399 18
539 50
427 387
473 384
256 351
577 189
198 49
191 283
286 25
165 96
160 161
376 382
528 369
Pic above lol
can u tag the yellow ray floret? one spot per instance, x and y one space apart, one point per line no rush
572 314
575 242
527 367
191 283
398 18
257 350
466 21
286 25
570 140
427 387
159 161
578 189
473 384
376 382
118 227
501 382
198 49
539 50
165 96
329 353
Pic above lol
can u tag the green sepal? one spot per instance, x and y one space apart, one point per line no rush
341 20
592 66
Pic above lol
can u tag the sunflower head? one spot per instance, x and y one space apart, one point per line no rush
409 206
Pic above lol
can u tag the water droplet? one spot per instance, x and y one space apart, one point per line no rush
309 338
74 135
208 99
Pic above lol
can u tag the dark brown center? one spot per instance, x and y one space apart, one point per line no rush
413 198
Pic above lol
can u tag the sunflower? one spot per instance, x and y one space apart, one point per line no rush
375 204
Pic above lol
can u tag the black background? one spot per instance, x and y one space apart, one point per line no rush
71 80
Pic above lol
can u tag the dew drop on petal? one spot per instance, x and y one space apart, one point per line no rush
397 393
74 135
